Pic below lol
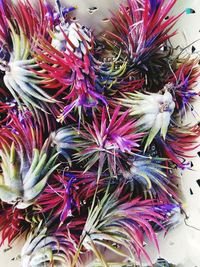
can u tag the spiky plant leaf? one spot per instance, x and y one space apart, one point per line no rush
20 76
183 82
68 62
141 32
153 176
43 249
119 225
179 144
13 223
60 197
26 166
153 112
107 140
68 195
65 141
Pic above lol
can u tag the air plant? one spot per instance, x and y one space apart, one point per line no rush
61 193
141 32
13 223
68 63
152 110
32 22
183 82
65 141
47 249
119 225
68 195
20 76
107 140
153 176
113 76
50 245
142 28
20 80
179 142
25 167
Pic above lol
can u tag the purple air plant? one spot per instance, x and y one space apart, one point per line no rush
179 144
107 140
140 37
68 194
61 194
182 85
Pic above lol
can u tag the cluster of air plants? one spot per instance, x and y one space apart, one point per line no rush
90 132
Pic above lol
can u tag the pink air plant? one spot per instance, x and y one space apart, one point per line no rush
70 75
141 28
107 141
13 223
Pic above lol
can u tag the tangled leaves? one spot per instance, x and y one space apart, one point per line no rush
90 132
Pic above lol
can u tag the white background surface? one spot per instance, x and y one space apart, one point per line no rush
181 245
